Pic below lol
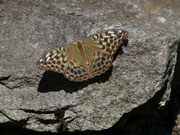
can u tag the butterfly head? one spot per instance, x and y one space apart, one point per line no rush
77 41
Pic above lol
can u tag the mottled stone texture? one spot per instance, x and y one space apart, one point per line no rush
139 79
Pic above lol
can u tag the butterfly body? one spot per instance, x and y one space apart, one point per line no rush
84 59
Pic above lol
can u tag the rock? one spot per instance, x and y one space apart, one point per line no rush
46 101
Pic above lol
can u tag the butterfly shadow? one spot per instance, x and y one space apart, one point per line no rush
52 81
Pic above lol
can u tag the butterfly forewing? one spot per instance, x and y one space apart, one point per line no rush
92 59
56 59
107 41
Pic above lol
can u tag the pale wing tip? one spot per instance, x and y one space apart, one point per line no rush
38 63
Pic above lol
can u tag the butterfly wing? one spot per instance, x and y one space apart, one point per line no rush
99 61
100 48
56 59
67 60
107 41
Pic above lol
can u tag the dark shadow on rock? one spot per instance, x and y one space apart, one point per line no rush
11 129
52 81
1 2
146 118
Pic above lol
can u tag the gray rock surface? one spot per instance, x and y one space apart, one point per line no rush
46 101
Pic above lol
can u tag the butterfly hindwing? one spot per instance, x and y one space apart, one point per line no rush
75 70
99 62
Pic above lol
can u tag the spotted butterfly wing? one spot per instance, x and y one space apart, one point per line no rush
85 58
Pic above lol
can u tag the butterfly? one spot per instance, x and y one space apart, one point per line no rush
86 58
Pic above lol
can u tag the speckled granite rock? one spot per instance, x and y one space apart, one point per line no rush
141 73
